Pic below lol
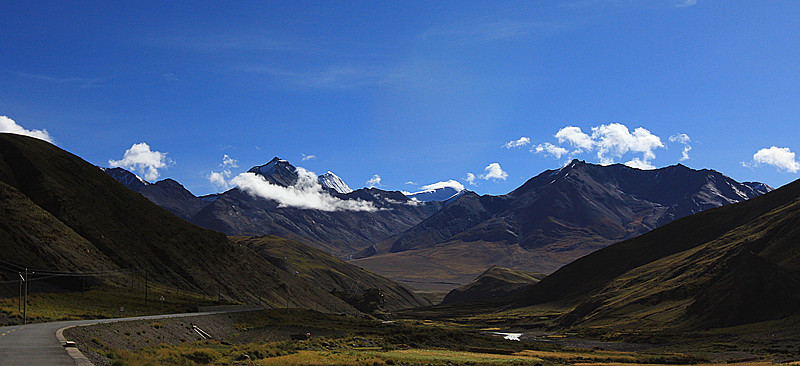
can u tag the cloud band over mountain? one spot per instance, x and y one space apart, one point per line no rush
610 142
305 193
143 160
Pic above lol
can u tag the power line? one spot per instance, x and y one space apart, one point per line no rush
13 267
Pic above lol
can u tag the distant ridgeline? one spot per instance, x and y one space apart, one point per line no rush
340 231
60 214
551 220
728 266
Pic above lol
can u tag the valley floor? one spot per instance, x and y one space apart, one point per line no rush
268 337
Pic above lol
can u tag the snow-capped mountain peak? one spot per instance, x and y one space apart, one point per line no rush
332 181
277 171
441 191
269 168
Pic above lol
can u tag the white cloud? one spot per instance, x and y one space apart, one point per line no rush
522 141
640 164
614 140
308 157
680 137
229 162
780 157
450 183
550 149
686 3
140 158
306 193
494 171
220 179
471 178
411 183
8 125
575 137
610 142
375 181
684 139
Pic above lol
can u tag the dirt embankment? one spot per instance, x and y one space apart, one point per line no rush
97 341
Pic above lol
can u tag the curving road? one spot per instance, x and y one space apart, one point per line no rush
36 344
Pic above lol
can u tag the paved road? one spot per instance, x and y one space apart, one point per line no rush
36 344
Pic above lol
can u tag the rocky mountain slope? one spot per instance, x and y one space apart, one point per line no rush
63 214
554 218
166 193
338 231
732 265
333 182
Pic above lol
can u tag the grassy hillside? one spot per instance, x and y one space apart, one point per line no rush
445 266
25 227
495 282
69 204
329 272
732 265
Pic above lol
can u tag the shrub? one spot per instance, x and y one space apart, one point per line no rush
203 356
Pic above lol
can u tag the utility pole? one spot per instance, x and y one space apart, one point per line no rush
25 307
19 302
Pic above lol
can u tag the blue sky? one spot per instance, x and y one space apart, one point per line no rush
416 92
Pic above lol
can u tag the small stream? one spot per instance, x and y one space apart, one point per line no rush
509 336
553 338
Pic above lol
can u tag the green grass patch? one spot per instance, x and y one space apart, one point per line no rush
101 302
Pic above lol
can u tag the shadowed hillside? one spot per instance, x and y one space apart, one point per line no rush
496 282
731 265
62 213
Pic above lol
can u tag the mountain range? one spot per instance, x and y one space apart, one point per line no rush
727 266
551 220
60 213
735 261
442 237
340 232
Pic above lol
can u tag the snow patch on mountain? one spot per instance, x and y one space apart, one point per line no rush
759 187
332 181
439 191
268 168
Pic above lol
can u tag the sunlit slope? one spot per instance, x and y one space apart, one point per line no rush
329 272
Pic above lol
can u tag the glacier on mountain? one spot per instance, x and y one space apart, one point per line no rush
332 181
